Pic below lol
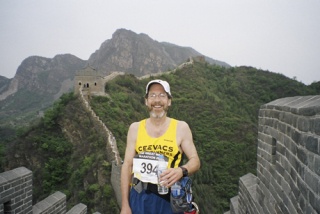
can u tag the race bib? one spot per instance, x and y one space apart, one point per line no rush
145 167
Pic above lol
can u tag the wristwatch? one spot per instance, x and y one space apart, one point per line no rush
184 171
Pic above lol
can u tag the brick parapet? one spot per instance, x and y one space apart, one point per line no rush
115 181
234 204
288 151
16 196
247 187
16 191
53 204
288 159
78 209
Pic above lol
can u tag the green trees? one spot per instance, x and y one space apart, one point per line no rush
220 105
67 153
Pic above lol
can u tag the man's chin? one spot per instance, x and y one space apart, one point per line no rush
157 115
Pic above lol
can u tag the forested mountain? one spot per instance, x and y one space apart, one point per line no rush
220 105
39 81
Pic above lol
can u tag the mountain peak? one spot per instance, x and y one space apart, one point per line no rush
138 54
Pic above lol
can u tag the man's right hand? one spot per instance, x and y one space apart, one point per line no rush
126 210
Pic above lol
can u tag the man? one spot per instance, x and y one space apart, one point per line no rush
158 134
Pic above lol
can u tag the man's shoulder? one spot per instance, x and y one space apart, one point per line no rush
178 121
135 125
182 124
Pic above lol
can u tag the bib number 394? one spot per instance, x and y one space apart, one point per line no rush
145 167
148 168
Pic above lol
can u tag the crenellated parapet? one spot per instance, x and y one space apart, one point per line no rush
16 196
16 191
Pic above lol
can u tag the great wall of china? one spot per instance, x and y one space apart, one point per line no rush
288 166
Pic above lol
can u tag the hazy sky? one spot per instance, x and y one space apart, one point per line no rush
282 36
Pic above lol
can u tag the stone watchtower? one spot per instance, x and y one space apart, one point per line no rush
90 80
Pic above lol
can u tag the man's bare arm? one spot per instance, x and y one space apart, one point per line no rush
126 170
188 148
185 140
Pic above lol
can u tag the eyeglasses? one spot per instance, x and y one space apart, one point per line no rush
161 96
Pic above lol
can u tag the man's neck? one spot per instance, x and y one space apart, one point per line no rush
156 127
158 122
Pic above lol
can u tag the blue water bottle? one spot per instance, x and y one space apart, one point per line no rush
176 189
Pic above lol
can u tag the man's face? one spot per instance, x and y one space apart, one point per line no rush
157 101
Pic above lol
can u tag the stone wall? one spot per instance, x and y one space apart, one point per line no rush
16 196
53 204
16 191
111 144
116 182
288 160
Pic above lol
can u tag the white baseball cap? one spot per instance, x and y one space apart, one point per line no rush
164 84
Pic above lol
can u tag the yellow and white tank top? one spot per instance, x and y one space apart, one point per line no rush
165 144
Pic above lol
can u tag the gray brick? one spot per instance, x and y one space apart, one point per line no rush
22 171
302 187
312 144
302 203
316 127
283 208
79 208
317 204
317 165
310 210
294 195
3 180
297 137
312 199
285 164
285 187
280 148
279 168
294 121
300 169
311 162
302 155
303 124
287 117
282 127
311 180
